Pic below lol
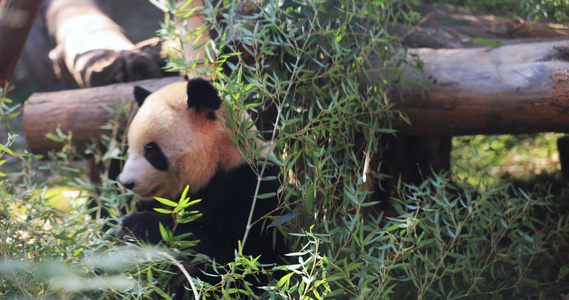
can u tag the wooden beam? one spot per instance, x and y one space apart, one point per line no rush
521 88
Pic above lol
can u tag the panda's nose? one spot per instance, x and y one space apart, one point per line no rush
128 185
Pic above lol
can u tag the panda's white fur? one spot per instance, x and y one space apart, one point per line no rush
196 146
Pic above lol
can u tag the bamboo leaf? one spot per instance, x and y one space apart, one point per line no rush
486 42
166 202
283 219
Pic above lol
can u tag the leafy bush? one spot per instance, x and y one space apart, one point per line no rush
303 68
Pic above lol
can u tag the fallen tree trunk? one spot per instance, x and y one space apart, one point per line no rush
91 48
522 88
82 112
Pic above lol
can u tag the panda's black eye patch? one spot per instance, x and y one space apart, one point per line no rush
155 157
151 149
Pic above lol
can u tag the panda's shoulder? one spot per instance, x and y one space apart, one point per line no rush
241 177
246 174
241 181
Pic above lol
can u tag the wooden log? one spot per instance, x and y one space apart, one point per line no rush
521 88
511 89
16 20
81 112
92 48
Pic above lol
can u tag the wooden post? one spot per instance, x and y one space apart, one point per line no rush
16 20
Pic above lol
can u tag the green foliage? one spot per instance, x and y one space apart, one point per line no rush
506 157
180 216
302 68
486 42
50 254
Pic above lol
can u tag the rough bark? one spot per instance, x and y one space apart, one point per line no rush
16 20
81 112
521 88
92 48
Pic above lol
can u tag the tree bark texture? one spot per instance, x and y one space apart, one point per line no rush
82 112
16 20
522 88
91 48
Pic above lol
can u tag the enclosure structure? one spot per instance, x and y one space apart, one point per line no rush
517 88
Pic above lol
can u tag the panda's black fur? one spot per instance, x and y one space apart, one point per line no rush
225 204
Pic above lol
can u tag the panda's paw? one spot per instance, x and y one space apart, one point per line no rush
143 227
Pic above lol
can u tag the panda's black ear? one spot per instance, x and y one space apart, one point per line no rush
140 94
202 95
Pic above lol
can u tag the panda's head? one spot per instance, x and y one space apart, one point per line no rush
178 137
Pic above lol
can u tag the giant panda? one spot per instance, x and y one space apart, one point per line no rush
179 138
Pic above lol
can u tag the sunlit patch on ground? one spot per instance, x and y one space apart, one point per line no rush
63 199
